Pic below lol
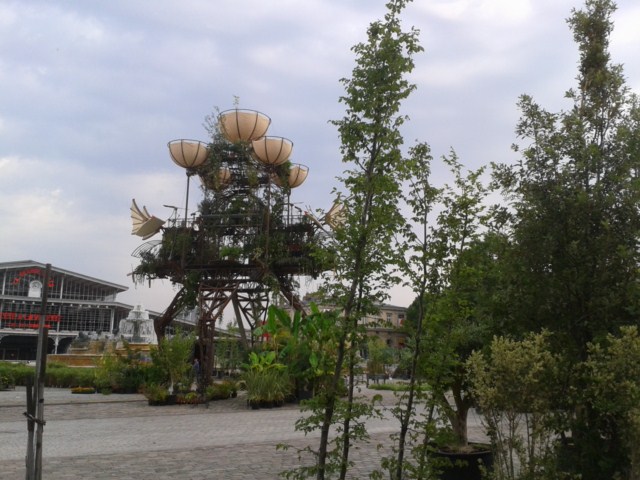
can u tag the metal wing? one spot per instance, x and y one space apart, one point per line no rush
336 216
145 225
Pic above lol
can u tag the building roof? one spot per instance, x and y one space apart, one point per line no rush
21 264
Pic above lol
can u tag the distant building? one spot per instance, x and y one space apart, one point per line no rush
76 304
387 325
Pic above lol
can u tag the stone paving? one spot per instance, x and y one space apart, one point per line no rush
121 437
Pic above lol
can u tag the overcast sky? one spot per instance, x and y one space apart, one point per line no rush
91 91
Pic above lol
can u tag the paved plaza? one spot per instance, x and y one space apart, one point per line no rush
121 437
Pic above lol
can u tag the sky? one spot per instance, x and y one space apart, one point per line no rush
91 91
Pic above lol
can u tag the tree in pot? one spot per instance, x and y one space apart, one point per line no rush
453 330
458 309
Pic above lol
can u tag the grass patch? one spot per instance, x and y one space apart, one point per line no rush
396 387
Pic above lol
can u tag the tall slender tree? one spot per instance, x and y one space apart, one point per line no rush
371 146
576 223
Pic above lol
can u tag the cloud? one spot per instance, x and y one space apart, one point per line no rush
93 91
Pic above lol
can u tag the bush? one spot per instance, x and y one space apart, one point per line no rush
155 392
61 377
220 391
6 381
17 372
190 398
121 373
269 386
515 385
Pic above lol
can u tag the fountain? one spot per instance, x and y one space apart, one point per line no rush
137 328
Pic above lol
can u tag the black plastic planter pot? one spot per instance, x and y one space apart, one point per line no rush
465 465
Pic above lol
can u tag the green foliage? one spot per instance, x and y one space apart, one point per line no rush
266 380
379 356
364 249
188 398
121 373
574 198
454 268
229 354
306 345
16 373
6 381
155 392
62 376
371 141
56 375
611 393
345 409
230 252
575 224
515 385
173 358
221 390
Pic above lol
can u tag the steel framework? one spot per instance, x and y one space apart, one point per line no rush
245 242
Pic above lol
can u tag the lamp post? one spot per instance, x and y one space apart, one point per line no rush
188 154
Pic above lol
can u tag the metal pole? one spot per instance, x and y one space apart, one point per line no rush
31 424
40 423
41 366
186 204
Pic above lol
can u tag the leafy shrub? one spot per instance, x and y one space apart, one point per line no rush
172 360
188 398
17 372
155 392
220 391
6 381
272 385
121 373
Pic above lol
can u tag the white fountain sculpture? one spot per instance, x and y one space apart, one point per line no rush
138 327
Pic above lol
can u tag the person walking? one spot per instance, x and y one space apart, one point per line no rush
196 370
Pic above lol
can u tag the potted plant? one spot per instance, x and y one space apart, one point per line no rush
188 398
267 382
458 320
303 344
449 343
172 357
221 390
156 394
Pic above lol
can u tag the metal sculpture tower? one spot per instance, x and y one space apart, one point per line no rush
245 242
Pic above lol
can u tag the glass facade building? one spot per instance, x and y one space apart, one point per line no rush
75 303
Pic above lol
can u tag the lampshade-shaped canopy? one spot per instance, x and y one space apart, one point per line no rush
243 125
272 150
188 153
297 175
